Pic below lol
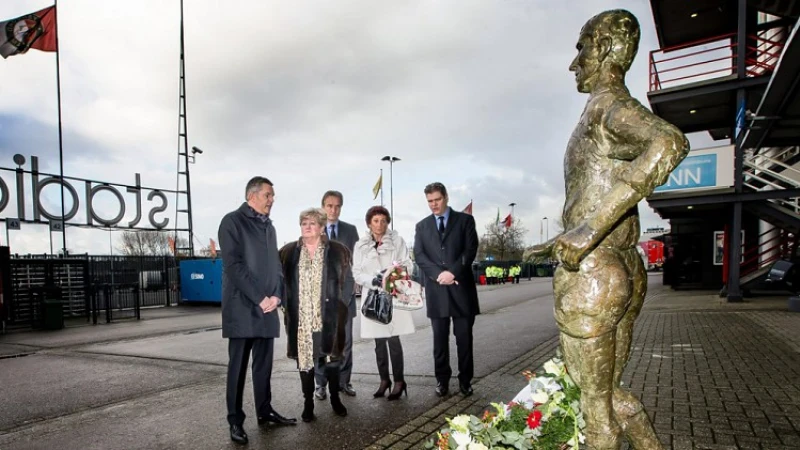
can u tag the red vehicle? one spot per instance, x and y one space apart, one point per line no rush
654 253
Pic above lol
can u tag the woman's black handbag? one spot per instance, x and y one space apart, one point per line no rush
378 306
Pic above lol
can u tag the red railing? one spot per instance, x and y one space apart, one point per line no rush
755 257
714 58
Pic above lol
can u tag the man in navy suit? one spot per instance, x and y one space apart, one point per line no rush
445 246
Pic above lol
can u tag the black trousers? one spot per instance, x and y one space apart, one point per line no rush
462 329
394 352
238 357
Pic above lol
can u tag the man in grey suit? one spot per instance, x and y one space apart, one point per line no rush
347 234
445 246
252 289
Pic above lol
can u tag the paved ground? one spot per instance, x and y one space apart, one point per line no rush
712 375
159 383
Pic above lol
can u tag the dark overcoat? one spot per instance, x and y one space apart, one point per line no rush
455 251
251 271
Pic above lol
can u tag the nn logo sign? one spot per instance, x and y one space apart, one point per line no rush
693 172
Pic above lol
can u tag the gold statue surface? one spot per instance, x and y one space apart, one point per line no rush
617 155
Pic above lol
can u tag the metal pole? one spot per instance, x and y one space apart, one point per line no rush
60 139
186 142
391 189
547 221
735 251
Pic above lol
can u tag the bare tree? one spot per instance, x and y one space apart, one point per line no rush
149 242
503 243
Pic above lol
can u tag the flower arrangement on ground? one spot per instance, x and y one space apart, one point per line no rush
545 416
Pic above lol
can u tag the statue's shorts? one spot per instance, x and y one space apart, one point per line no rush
591 301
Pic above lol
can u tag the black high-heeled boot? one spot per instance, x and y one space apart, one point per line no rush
385 385
400 387
307 382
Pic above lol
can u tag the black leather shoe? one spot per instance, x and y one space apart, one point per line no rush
276 418
238 435
442 389
466 389
348 389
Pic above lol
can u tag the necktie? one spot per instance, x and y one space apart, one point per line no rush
441 224
333 232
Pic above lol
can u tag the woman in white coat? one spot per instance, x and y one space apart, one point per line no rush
375 252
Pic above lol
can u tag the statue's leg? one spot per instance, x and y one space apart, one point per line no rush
589 304
630 413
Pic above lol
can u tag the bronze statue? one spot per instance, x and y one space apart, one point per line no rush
617 155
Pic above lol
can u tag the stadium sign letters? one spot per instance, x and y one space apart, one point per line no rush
91 188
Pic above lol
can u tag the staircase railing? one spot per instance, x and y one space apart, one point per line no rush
756 257
770 171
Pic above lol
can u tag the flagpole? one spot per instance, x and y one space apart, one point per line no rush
60 134
381 178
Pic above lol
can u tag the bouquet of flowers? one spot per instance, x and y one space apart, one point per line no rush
547 416
407 294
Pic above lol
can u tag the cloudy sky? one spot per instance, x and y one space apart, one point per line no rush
311 94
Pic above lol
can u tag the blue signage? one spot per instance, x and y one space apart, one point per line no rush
694 172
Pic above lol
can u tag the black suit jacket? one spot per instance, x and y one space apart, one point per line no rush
347 234
455 251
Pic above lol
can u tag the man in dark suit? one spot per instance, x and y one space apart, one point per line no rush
347 234
252 288
445 246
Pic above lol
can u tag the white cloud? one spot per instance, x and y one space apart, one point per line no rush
311 94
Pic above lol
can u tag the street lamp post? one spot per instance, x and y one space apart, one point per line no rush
547 228
392 160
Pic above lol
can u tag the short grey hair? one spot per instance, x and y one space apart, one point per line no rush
254 185
317 214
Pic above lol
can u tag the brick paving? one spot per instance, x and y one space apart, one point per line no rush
712 375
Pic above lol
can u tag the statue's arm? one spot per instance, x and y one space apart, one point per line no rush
659 147
539 251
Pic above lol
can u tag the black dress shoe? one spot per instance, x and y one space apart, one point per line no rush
466 389
238 435
348 389
442 389
276 418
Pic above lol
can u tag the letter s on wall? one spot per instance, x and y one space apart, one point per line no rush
158 209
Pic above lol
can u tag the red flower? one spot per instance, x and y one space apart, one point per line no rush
534 419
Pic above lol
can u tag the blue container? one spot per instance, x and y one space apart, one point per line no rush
201 280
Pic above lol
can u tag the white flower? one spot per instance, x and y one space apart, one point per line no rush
463 439
553 368
540 397
477 446
460 423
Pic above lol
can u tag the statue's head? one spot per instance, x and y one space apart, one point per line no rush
608 41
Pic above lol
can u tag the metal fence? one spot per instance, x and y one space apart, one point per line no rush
88 288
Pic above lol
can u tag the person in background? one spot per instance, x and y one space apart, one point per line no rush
375 252
445 247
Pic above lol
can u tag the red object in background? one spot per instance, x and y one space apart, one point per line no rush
655 253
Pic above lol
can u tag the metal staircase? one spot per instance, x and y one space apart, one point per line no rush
771 169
